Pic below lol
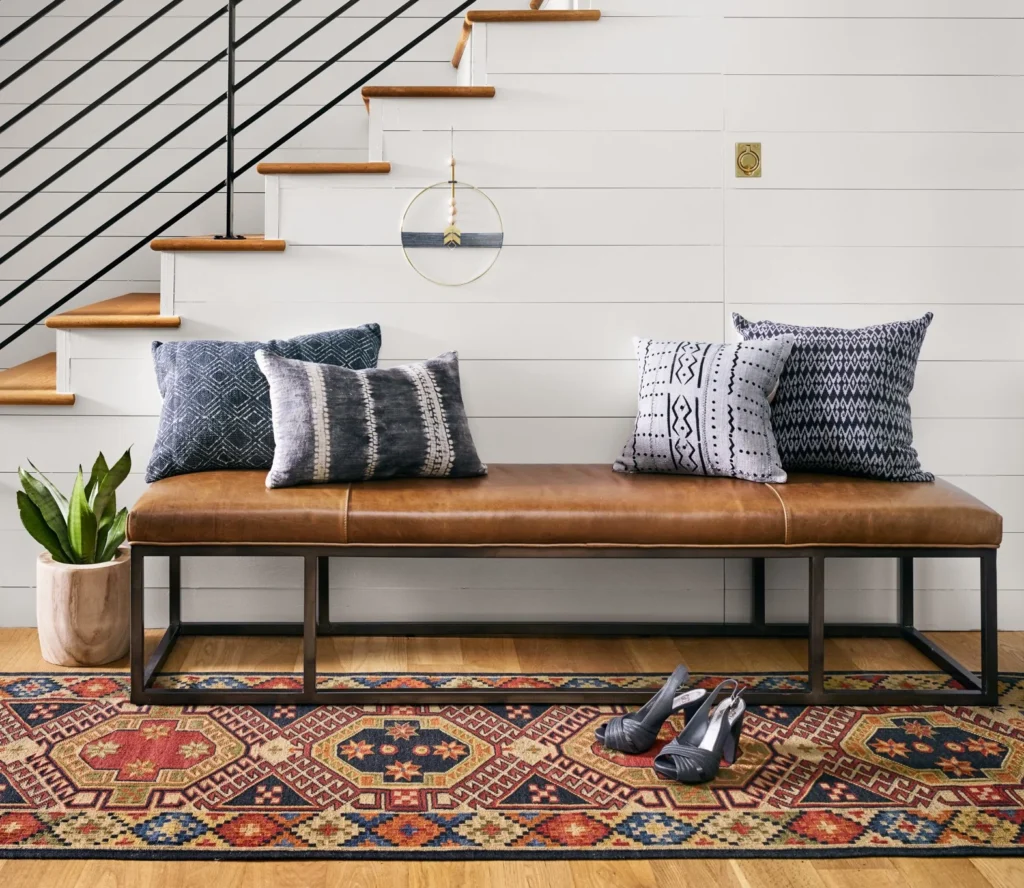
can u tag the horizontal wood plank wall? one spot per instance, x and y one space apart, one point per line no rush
892 186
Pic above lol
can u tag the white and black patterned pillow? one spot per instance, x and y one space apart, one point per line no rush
703 409
216 410
843 403
335 424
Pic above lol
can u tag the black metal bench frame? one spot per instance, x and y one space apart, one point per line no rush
974 689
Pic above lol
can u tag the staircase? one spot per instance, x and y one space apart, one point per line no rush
49 381
561 147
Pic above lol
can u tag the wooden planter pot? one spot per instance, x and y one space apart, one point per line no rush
82 610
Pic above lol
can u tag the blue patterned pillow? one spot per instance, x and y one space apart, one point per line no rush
843 403
216 411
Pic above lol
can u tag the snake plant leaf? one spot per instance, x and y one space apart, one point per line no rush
37 527
114 537
98 473
81 523
62 500
50 512
105 501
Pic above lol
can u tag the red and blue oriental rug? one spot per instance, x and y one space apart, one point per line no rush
84 773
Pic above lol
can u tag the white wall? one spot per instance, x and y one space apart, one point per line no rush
892 185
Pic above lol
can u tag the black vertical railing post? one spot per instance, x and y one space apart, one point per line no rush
229 190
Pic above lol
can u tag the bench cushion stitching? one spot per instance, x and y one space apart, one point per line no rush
344 513
785 513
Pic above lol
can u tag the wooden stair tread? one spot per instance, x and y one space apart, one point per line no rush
253 243
130 310
533 14
33 384
426 92
374 167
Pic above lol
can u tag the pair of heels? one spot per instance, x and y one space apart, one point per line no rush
712 731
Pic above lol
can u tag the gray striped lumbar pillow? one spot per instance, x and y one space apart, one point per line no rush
335 424
703 409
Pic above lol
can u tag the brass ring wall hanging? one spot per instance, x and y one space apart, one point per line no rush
468 244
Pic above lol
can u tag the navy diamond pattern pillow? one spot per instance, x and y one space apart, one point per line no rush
843 403
216 410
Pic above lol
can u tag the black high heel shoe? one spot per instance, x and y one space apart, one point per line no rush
637 731
711 734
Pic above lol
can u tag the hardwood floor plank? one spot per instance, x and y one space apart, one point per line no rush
696 873
876 872
490 655
611 874
778 874
1001 872
959 871
38 873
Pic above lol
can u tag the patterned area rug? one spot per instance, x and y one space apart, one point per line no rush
84 773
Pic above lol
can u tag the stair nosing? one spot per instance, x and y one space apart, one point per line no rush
254 243
370 168
36 397
426 92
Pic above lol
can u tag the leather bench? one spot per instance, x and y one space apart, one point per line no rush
566 511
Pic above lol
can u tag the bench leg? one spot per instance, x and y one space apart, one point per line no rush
988 685
137 630
989 635
757 591
311 589
323 607
905 586
816 627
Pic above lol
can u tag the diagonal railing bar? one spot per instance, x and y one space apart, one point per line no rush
206 152
123 126
71 121
74 75
57 44
138 245
31 20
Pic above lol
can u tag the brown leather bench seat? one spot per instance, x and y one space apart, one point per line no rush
563 505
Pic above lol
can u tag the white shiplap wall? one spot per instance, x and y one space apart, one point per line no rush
893 185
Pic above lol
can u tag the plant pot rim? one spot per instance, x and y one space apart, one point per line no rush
123 555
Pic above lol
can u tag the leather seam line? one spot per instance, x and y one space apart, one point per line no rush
785 513
344 513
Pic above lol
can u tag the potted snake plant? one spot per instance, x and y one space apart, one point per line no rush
83 579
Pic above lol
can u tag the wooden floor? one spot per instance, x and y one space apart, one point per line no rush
19 651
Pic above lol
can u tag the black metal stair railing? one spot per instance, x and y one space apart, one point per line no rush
227 140
29 22
58 43
92 63
138 115
197 158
